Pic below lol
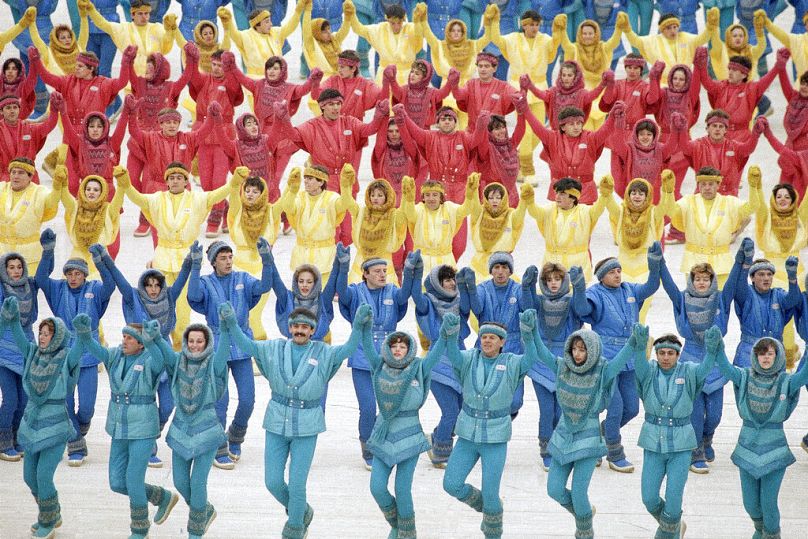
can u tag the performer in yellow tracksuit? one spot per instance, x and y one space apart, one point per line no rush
529 52
797 44
148 37
321 47
670 45
566 225
251 216
59 58
6 36
177 214
380 230
636 224
495 226
315 215
90 218
456 50
736 43
594 56
206 38
396 41
261 40
24 206
709 219
781 230
434 222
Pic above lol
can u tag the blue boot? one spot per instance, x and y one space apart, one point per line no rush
709 452
439 452
617 458
235 437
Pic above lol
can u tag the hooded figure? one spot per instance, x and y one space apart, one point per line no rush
92 221
63 56
88 156
494 228
156 93
318 52
421 100
454 52
721 51
639 161
559 97
23 86
635 228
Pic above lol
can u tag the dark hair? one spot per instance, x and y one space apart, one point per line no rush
570 65
763 345
325 25
256 12
668 337
804 76
665 17
254 181
199 328
17 62
647 125
177 164
25 160
15 257
395 11
567 183
531 14
272 60
716 113
742 60
496 121
134 4
493 187
708 171
633 56
49 324
322 169
217 55
352 56
161 281
636 185
446 272
399 338
210 25
788 187
578 339
329 93
302 311
569 112
603 261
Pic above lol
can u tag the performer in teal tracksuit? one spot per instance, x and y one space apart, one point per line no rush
489 378
765 396
49 375
401 383
298 370
668 388
198 378
585 381
132 420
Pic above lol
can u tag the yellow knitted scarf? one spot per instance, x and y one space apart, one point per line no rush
784 224
90 214
591 57
636 223
254 215
745 49
331 49
377 223
205 51
462 52
492 221
65 57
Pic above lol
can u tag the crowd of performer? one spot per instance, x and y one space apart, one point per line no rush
444 81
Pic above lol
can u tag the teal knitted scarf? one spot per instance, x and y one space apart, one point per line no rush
700 308
763 385
576 385
553 308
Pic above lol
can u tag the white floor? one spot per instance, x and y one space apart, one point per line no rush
338 484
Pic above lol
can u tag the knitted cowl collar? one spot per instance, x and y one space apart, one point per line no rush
311 301
593 351
241 131
387 354
577 82
85 125
162 69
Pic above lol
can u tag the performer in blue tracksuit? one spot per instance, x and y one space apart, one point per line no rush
549 10
558 309
132 421
800 7
14 283
401 381
102 45
153 300
389 304
442 296
762 310
50 373
685 11
497 300
614 307
308 292
696 309
668 388
604 12
489 378
585 383
640 13
726 12
198 380
44 10
243 291
765 396
298 370
68 297
194 11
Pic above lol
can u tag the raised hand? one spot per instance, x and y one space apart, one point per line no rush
281 110
527 321
791 267
293 181
227 316
10 310
526 193
363 319
343 254
224 15
655 255
264 251
748 247
657 69
678 122
761 124
47 239
347 177
151 330
129 53
700 59
607 77
531 276
668 180
524 82
606 186
519 103
450 326
196 254
83 326
33 53
98 251
577 277
383 107
228 61
639 338
170 22
316 75
754 177
454 77
390 73
783 55
57 101
713 342
413 260
191 51
130 103
408 189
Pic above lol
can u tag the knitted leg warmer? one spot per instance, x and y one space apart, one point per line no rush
77 446
210 513
290 532
771 535
543 443
84 428
308 516
391 515
197 518
139 515
6 439
236 434
492 525
657 513
615 451
474 499
668 527
583 527
49 512
758 528
406 527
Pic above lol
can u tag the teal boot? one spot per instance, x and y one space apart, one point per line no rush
164 499
669 527
49 516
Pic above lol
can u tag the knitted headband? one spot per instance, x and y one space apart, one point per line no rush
448 112
370 262
500 257
494 329
668 344
487 57
76 264
303 319
9 99
738 67
606 267
570 118
86 59
146 8
315 173
175 170
761 266
670 22
527 20
718 120
433 188
258 18
169 114
328 101
634 62
214 249
572 192
347 62
19 164
132 332
708 178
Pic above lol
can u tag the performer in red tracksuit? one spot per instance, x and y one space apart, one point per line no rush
333 139
448 153
358 93
483 93
23 138
795 120
571 151
737 95
221 86
420 99
717 150
568 91
497 158
792 162
14 81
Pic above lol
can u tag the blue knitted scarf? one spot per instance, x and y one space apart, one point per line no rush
553 308
444 301
18 288
700 308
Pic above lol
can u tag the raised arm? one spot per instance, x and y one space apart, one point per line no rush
10 318
667 202
635 346
28 18
362 323
83 328
651 285
345 293
527 326
369 349
580 304
450 332
229 324
670 286
408 281
230 28
715 348
100 256
793 298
